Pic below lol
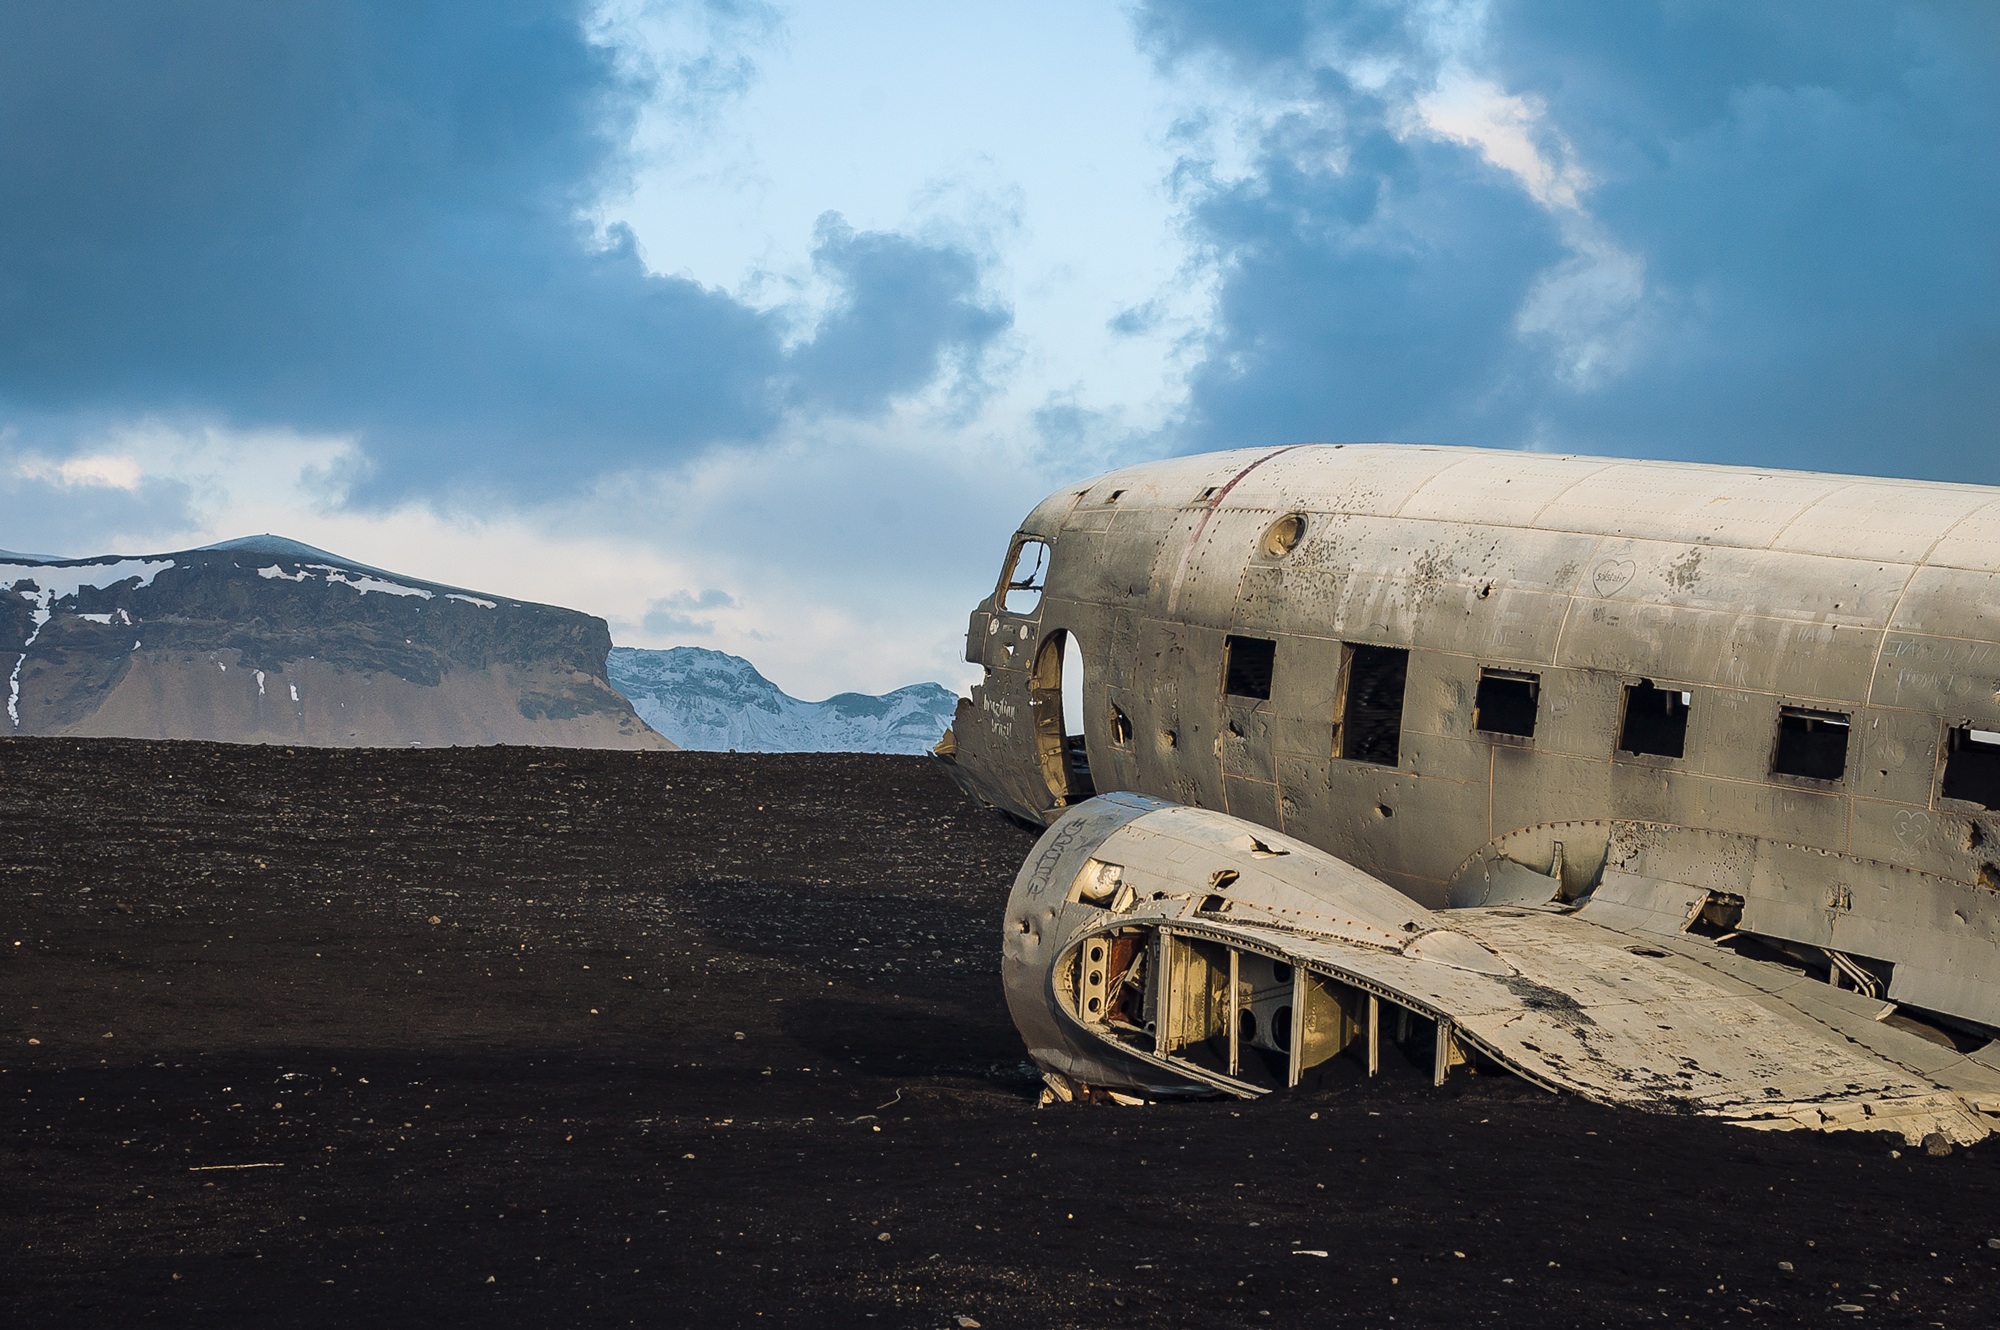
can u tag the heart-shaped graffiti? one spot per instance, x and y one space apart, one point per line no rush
1612 575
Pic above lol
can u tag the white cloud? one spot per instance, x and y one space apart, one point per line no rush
1511 132
1590 308
101 470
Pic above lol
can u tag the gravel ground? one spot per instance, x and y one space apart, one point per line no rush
517 1036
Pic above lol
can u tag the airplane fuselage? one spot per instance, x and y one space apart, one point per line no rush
1778 690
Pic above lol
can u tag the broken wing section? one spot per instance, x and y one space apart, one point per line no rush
1156 950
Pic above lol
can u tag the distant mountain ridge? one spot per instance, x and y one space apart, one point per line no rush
710 700
267 640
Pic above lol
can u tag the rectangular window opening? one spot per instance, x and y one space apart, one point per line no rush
1371 728
1972 767
1506 703
1656 720
1247 666
1812 744
1026 576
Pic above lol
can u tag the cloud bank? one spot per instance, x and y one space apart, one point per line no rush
1725 231
366 218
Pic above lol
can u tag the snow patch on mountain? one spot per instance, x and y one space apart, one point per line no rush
711 701
53 583
61 581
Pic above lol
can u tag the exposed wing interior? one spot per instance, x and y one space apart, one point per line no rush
1614 1001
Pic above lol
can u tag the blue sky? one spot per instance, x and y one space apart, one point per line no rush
758 326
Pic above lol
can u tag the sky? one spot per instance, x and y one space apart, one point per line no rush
760 326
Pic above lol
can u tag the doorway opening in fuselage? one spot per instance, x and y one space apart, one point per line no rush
1056 690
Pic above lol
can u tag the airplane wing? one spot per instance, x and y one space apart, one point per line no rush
1157 950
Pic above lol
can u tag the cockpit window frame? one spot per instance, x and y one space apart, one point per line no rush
1011 582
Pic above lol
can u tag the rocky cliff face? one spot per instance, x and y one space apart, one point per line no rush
709 700
265 640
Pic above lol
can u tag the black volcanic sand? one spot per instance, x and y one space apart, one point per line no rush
524 1037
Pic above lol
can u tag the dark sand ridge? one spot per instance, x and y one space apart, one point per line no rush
692 1031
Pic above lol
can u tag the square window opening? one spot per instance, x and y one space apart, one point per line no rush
1812 744
1027 574
1371 728
1656 720
1972 767
1248 663
1506 703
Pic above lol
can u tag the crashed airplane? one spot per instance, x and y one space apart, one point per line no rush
1671 786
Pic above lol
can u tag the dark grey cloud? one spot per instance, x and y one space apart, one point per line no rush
1259 37
904 308
1802 198
362 215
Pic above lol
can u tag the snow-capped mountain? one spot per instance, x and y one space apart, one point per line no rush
709 700
266 640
